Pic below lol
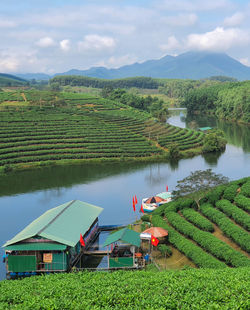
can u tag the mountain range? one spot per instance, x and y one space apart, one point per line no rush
190 65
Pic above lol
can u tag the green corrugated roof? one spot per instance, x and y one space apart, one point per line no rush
36 246
62 224
126 235
164 195
205 128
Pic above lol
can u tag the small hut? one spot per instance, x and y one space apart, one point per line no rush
51 243
205 129
124 253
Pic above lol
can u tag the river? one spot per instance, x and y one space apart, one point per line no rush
26 195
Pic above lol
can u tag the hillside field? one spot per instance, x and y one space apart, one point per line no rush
41 127
216 235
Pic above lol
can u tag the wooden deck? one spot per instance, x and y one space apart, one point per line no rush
96 252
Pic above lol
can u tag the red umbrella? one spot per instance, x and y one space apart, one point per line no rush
157 232
154 199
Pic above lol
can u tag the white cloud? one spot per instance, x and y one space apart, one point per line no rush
8 64
171 44
245 61
65 45
45 42
181 20
116 62
193 5
96 42
219 39
4 23
234 20
122 29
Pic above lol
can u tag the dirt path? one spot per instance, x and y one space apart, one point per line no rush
24 97
219 234
176 261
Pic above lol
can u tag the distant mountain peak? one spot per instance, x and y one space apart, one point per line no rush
189 65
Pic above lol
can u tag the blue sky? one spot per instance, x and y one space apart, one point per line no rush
58 35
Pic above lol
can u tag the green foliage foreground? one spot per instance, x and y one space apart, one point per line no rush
184 289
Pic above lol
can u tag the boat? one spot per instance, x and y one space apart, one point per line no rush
149 204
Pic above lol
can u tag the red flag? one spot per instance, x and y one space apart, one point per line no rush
142 209
133 200
136 200
167 188
81 240
133 205
154 240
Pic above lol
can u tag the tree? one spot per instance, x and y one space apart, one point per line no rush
174 151
55 86
214 142
197 184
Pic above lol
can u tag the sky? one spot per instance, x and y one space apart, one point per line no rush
53 36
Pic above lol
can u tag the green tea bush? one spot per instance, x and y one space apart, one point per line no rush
215 194
239 216
200 258
198 220
234 232
208 242
245 189
164 249
178 289
145 218
230 192
243 202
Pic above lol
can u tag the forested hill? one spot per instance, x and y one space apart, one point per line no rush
11 80
227 100
190 65
76 80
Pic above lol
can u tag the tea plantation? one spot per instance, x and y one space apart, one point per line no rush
215 285
191 229
41 127
182 289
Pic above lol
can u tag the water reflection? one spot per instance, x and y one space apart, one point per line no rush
212 158
236 134
174 164
154 176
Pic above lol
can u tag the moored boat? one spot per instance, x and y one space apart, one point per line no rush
152 203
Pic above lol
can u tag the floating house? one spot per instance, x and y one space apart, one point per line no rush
125 253
51 243
205 129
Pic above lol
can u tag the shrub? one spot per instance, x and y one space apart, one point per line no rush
242 202
198 220
239 216
215 194
237 234
245 189
208 242
230 192
145 218
7 168
188 248
164 249
174 151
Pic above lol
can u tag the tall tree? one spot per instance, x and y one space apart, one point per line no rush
198 183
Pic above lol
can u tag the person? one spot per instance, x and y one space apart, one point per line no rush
146 257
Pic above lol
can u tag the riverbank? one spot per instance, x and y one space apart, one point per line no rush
4 170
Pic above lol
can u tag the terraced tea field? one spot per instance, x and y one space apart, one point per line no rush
37 127
217 234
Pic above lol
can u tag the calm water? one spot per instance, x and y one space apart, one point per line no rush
26 195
